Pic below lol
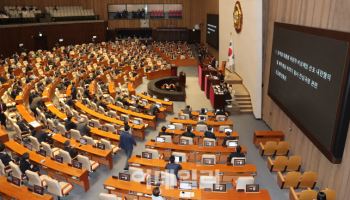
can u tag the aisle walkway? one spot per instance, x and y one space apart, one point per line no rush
244 125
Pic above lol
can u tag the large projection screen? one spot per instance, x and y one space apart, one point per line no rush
309 81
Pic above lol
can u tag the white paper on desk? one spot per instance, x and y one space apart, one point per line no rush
186 194
35 124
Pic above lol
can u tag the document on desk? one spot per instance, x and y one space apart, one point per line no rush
186 194
35 124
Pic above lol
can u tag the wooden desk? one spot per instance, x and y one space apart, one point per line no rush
11 191
158 74
27 116
138 130
224 172
53 168
265 135
150 119
196 113
168 104
101 156
199 136
4 137
213 123
160 115
122 189
194 152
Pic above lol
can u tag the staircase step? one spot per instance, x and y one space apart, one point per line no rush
246 111
244 102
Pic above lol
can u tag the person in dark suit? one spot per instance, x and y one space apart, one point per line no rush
321 196
188 110
235 154
163 131
24 164
4 157
22 125
188 132
3 108
209 133
203 111
69 124
72 151
127 143
84 129
74 92
41 135
228 137
173 167
201 120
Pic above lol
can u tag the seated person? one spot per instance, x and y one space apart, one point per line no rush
173 167
209 133
69 124
228 137
84 129
22 124
4 157
188 132
203 111
235 154
24 164
201 120
72 151
187 110
220 112
40 134
156 194
163 131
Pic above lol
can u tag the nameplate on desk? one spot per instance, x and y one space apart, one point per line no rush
252 188
184 194
16 181
219 188
38 189
35 124
101 146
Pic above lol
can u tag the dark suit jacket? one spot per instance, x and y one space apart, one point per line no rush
233 155
173 168
72 151
5 158
127 142
188 134
25 165
209 134
228 138
41 136
70 125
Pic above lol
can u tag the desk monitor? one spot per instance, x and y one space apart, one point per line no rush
68 135
101 146
238 161
178 159
77 164
124 176
242 182
83 141
153 180
160 139
42 152
219 188
221 118
59 158
208 161
182 117
124 117
136 122
159 105
185 185
184 142
147 155
91 124
38 189
171 127
105 128
209 143
232 143
16 181
252 188
227 130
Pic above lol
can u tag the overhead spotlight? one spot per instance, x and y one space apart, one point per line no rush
94 38
40 34
20 45
60 40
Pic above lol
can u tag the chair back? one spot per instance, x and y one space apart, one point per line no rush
95 122
209 156
53 187
308 180
85 162
189 139
169 179
219 117
33 178
330 194
167 138
280 162
61 128
104 196
75 134
282 148
206 182
16 172
107 143
109 127
209 140
35 143
137 174
47 148
2 169
154 152
112 113
270 148
178 125
308 195
180 154
201 127
89 140
292 179
293 163
65 155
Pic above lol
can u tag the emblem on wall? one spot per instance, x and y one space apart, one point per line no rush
237 17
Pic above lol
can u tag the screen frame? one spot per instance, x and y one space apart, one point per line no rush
218 31
339 134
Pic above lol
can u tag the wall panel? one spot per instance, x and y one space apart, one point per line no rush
328 14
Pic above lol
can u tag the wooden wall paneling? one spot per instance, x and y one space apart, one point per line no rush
327 14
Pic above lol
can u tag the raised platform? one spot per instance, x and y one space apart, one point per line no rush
155 88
